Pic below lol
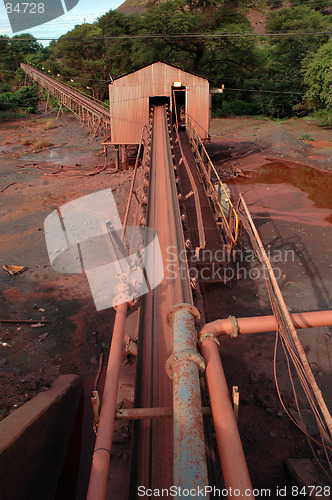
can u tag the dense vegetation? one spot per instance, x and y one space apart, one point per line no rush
14 97
283 74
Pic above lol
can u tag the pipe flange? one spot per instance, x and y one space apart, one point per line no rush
205 337
187 307
235 326
192 356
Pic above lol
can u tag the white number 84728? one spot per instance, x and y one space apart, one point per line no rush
25 8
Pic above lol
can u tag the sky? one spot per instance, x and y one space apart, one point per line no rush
85 11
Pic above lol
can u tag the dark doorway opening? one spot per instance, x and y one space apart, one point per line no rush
179 106
158 100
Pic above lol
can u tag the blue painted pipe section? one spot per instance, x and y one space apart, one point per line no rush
190 469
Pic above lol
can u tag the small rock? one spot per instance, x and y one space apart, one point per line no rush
43 337
272 434
42 310
93 360
3 361
324 338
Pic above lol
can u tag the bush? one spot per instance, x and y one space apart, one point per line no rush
27 97
41 143
224 105
240 107
275 4
5 87
6 101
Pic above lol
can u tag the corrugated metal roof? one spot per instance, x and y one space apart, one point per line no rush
160 61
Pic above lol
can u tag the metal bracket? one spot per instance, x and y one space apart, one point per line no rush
193 356
235 330
205 337
188 195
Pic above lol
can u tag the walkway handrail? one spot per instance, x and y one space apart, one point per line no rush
97 101
124 226
200 225
287 329
194 136
85 108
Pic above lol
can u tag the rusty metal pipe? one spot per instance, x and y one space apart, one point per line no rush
102 451
260 324
232 459
190 468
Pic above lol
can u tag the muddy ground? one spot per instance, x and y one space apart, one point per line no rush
292 207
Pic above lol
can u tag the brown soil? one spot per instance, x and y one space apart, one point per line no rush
288 216
76 334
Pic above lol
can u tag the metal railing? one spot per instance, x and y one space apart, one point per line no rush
207 169
200 224
287 331
95 115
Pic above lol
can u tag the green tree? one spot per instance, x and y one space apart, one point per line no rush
318 78
285 56
13 51
288 51
118 50
166 20
80 54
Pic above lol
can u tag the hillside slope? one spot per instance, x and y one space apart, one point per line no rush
256 17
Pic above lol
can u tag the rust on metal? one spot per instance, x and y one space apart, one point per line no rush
144 413
232 459
190 468
265 324
102 450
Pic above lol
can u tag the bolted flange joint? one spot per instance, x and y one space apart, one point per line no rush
186 307
207 336
192 356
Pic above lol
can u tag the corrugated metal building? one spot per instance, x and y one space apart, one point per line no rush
132 94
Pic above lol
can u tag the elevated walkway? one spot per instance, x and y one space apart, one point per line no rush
208 265
89 110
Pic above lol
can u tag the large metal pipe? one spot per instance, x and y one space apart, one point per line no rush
232 459
190 469
233 463
259 324
102 451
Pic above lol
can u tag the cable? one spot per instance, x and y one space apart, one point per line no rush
266 91
180 36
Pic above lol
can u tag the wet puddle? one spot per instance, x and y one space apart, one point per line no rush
295 193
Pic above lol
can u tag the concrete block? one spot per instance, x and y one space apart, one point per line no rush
34 441
309 478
